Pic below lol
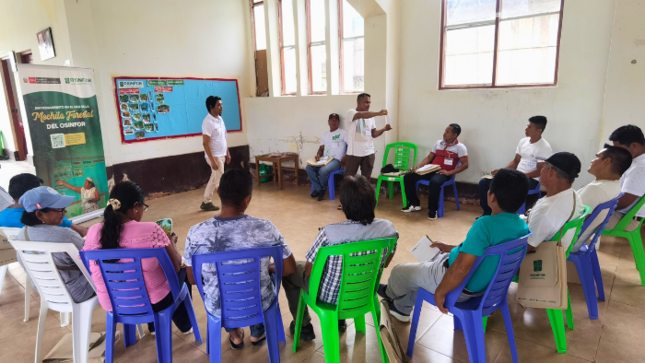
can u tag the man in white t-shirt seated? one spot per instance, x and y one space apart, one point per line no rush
215 148
332 145
447 153
631 138
529 148
609 165
561 204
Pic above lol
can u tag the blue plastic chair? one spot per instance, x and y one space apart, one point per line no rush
468 314
331 186
537 191
240 296
129 298
586 259
449 182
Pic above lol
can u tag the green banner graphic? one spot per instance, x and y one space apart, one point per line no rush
66 139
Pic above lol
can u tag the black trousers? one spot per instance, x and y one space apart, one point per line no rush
484 185
436 181
180 316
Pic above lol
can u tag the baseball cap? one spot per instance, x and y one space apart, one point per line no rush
44 197
565 161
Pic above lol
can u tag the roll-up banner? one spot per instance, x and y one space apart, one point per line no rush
65 130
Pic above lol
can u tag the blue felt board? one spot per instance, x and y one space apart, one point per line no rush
187 104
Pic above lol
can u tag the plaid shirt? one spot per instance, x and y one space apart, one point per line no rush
329 287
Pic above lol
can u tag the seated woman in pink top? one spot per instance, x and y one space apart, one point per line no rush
122 228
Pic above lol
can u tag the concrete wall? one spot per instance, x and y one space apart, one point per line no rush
493 120
625 87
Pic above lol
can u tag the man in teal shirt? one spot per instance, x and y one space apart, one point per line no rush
19 185
448 269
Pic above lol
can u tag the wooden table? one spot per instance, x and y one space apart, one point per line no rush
277 169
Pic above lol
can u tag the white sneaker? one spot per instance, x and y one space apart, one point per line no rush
187 332
411 208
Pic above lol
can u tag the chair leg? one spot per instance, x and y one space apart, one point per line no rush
188 303
597 274
384 356
28 289
378 189
416 313
41 329
140 331
474 334
329 325
508 323
214 336
298 327
440 210
81 328
485 322
586 274
639 256
568 312
557 324
390 190
271 323
129 337
64 319
359 323
3 272
454 189
281 336
331 186
163 335
110 330
404 197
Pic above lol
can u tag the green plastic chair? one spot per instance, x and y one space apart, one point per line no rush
555 315
634 237
401 162
359 281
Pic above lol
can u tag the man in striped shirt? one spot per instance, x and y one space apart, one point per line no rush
357 198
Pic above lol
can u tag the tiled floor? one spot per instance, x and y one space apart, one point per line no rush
616 337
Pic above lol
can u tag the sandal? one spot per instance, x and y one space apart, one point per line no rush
259 342
236 346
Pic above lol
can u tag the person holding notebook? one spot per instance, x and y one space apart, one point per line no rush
447 153
333 144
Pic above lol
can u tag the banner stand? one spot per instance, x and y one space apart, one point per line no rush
87 216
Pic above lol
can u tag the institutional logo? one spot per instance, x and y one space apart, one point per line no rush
70 80
537 265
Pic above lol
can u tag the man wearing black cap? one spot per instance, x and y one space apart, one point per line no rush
529 148
561 203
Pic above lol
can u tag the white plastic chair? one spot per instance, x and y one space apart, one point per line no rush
38 261
10 233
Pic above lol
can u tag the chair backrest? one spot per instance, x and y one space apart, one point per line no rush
123 277
9 232
574 224
630 215
360 274
401 155
6 255
37 259
238 278
511 256
610 207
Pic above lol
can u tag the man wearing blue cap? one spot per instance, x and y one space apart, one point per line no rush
44 212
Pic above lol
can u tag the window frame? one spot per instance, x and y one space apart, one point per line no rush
284 86
498 10
253 5
309 45
341 53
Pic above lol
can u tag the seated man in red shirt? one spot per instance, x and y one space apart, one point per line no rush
446 153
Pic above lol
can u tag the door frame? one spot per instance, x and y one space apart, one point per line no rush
13 106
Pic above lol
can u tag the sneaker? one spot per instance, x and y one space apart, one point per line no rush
342 326
381 292
404 318
314 194
411 208
321 195
340 207
209 207
432 215
306 333
188 331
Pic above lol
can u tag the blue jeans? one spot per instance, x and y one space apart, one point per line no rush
257 330
320 174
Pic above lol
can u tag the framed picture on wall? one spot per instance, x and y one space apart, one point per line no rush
46 44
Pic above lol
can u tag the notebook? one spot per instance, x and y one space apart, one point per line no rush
422 250
427 169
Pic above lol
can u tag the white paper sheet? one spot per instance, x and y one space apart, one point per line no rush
422 250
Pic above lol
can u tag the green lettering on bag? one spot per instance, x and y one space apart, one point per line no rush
537 265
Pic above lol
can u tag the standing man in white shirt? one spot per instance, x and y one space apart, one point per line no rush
362 130
334 145
631 138
561 204
529 148
609 165
215 148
